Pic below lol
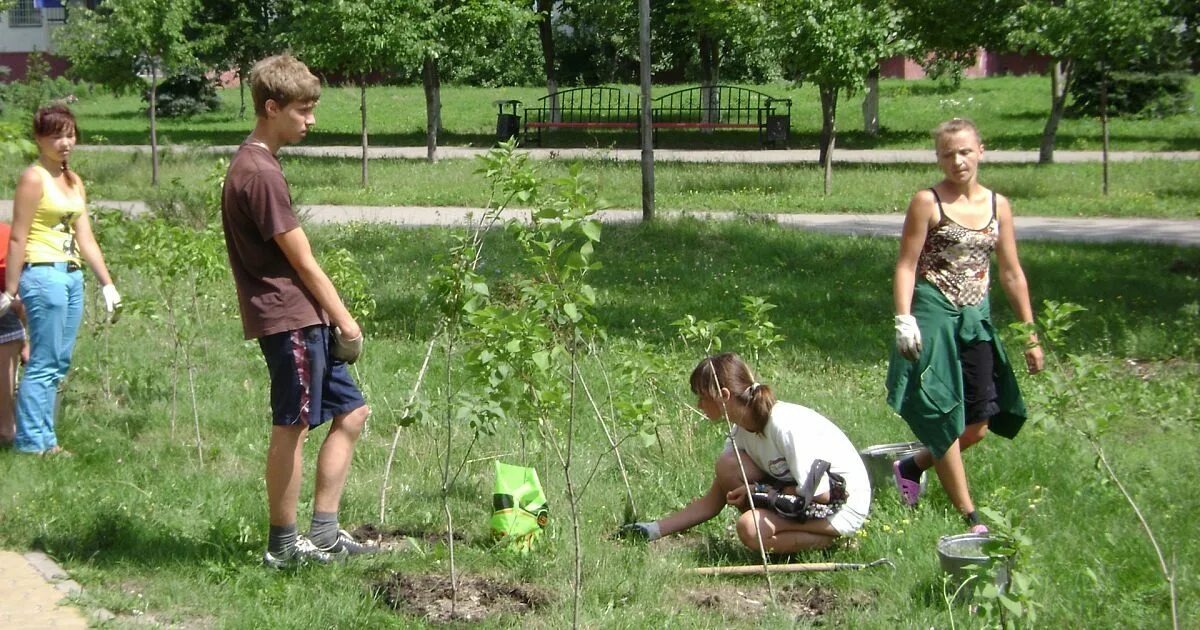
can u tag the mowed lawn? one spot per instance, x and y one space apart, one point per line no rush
160 531
1011 111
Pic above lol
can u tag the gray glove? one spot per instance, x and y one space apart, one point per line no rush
640 531
344 349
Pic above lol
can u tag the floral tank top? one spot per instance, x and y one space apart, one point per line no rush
956 259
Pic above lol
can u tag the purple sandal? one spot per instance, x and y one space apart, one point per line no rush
910 490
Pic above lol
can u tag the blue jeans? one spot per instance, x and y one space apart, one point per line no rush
53 300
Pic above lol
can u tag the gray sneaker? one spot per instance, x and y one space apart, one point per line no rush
346 544
302 553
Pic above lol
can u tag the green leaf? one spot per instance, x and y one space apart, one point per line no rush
1011 604
591 229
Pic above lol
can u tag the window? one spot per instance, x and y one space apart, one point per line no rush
24 13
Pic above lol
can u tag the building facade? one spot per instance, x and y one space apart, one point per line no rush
28 27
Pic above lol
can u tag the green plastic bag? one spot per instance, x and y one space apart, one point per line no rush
519 511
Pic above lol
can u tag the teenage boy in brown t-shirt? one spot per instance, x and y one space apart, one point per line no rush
289 304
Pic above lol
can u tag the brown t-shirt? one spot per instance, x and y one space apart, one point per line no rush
256 206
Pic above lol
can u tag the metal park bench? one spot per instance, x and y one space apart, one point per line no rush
583 108
725 107
716 107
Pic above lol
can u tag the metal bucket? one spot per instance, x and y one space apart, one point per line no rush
878 460
956 552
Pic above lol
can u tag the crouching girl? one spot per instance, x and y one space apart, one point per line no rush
806 479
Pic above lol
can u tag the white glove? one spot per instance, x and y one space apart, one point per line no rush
6 302
112 299
908 337
344 349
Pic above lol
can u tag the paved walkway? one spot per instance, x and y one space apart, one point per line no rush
1184 232
789 156
32 590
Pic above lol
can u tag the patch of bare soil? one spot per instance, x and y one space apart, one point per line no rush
396 538
800 602
431 597
1149 369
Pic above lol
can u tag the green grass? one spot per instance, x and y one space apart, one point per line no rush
1152 188
1011 111
153 534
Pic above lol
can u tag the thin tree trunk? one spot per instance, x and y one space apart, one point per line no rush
870 106
1104 123
242 92
433 106
362 91
829 96
544 9
710 98
1060 78
153 124
571 496
647 126
446 472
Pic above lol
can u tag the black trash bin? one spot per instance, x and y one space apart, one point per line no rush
508 123
778 124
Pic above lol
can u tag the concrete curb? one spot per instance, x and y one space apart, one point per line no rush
58 578
1182 232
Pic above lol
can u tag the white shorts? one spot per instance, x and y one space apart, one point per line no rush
847 520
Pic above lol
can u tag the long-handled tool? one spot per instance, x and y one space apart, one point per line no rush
795 567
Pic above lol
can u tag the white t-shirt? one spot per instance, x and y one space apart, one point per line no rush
794 437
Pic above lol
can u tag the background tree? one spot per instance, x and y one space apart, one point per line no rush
359 38
1083 33
832 44
715 27
234 34
124 39
945 35
465 27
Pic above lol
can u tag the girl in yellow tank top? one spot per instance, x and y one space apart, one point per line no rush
51 238
52 233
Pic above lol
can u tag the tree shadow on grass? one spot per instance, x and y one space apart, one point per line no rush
111 539
833 294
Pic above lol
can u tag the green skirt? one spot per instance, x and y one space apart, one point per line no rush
928 392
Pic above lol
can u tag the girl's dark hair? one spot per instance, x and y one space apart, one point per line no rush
729 371
54 119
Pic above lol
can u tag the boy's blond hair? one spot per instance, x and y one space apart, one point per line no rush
955 125
283 79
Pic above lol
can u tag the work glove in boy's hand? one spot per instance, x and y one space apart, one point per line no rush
344 349
908 337
640 531
6 303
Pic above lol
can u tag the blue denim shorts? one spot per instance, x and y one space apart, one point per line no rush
307 384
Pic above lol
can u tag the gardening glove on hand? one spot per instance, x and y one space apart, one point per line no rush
344 349
112 302
112 299
640 531
6 303
908 337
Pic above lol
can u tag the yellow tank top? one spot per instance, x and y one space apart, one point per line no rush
52 235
